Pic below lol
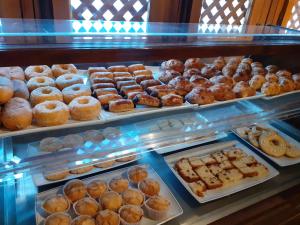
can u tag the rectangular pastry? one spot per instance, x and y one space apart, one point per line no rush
142 72
234 153
261 170
188 175
141 78
198 187
131 95
238 163
195 162
105 99
215 169
159 93
208 160
149 83
157 87
105 91
102 75
102 80
171 100
229 177
93 69
183 164
203 171
122 74
212 182
120 68
135 67
133 88
103 85
248 160
145 99
219 156
225 165
117 79
248 171
121 105
120 84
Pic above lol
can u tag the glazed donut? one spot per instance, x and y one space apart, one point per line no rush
67 80
257 81
84 108
36 82
12 72
270 88
168 75
284 73
271 77
194 63
173 64
60 69
200 96
38 71
272 68
42 94
6 90
199 81
286 85
51 113
222 80
74 91
272 144
242 90
190 72
222 92
296 79
209 71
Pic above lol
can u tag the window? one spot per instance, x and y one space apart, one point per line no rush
294 18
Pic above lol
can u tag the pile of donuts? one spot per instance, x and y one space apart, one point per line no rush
201 83
44 96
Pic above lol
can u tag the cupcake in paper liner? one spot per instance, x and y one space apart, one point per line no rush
58 218
74 190
131 214
83 220
86 207
157 207
56 203
107 217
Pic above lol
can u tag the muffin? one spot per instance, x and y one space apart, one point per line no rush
118 184
137 174
133 197
111 200
157 207
75 190
107 217
96 188
56 203
131 214
149 187
86 207
83 220
58 219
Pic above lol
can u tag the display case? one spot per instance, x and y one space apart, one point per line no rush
33 168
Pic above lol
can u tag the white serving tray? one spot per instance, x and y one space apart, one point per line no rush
174 211
214 194
280 95
281 161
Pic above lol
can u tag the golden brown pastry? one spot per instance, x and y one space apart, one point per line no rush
86 207
107 217
270 88
111 200
181 85
141 78
60 69
102 80
121 105
284 73
37 71
220 79
132 197
93 69
83 220
145 99
209 71
286 85
102 75
131 214
234 61
96 188
296 79
159 93
157 87
149 83
258 71
43 94
120 84
272 68
6 90
67 80
56 203
80 169
247 60
42 81
244 67
20 89
12 73
194 63
135 67
58 175
16 114
119 184
142 72
103 85
199 81
229 70
242 90
120 68
200 96
132 95
137 174
257 64
117 79
222 92
75 91
173 64
171 100
271 77
257 81
167 75
122 74
219 62
84 108
58 219
105 91
132 88
149 187
74 190
191 72
241 76
157 207
105 99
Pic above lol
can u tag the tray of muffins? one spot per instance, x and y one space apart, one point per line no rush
218 170
271 142
134 195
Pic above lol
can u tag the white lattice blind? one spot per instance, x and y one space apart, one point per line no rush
294 21
231 12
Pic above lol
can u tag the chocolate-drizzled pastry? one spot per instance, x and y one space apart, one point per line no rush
173 64
200 96
190 72
145 99
166 76
209 71
193 63
181 85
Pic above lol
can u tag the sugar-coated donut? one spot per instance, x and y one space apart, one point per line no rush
17 114
6 90
20 89
60 69
74 91
12 72
84 108
38 71
42 94
67 80
51 113
36 82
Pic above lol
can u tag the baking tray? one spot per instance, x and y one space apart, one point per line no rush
281 161
174 211
280 95
214 194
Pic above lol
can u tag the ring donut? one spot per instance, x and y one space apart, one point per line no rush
37 71
61 69
272 144
84 108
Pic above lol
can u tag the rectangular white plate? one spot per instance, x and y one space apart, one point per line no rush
211 195
281 95
281 161
174 211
